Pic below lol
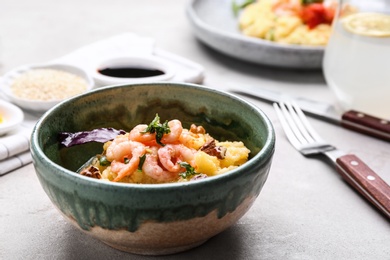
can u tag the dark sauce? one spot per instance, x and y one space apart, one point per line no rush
130 72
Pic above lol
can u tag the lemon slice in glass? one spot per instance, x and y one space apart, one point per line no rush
368 24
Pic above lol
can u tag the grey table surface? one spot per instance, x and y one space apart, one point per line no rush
305 211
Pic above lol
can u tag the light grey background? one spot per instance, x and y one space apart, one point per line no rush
305 210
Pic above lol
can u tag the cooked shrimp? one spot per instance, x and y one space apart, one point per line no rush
138 134
118 148
191 139
175 131
287 7
154 170
119 151
171 154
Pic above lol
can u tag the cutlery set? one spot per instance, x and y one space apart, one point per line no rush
353 120
307 141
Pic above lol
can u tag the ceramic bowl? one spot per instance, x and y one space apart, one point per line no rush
152 219
214 23
39 105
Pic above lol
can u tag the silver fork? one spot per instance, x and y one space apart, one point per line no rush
306 140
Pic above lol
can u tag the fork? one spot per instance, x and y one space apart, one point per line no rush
307 141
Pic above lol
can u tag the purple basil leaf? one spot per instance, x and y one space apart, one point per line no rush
100 135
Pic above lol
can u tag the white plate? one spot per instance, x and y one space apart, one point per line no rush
214 24
12 116
36 105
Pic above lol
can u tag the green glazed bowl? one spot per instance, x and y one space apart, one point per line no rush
152 219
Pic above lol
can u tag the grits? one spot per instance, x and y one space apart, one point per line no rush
287 21
163 153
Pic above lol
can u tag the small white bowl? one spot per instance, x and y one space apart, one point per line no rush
11 115
39 105
138 62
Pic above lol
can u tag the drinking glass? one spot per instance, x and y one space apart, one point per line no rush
356 62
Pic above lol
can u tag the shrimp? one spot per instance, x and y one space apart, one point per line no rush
138 134
287 7
171 154
153 169
175 131
192 140
118 148
121 149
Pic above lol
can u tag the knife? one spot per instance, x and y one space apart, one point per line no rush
353 120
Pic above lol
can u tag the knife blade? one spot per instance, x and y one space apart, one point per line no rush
351 119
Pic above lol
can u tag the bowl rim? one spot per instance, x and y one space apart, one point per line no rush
261 158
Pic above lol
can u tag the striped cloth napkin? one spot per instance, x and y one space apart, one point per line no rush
15 146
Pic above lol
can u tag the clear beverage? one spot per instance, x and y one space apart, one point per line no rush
357 69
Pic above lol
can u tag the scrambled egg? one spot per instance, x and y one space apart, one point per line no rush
260 20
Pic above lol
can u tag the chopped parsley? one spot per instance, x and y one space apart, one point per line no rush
190 171
141 162
156 127
307 2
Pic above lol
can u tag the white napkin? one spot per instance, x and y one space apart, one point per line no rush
130 44
15 162
14 151
15 146
127 44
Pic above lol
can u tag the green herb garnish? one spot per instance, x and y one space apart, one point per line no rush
307 2
189 170
237 7
156 127
141 162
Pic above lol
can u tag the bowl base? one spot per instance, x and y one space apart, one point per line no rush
156 251
154 238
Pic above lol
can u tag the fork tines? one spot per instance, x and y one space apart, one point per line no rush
296 126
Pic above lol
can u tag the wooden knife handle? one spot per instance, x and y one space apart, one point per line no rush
366 181
366 124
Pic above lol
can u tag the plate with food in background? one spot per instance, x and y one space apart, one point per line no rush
281 33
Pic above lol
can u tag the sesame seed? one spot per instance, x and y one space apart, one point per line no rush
48 85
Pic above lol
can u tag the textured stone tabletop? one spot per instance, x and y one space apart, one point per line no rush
305 210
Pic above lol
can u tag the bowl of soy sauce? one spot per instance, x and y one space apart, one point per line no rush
134 69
